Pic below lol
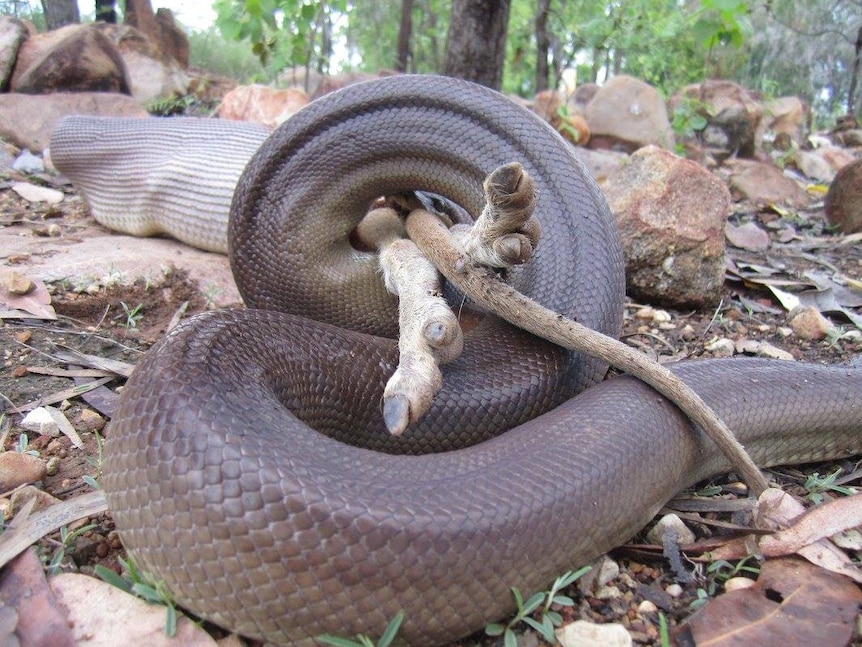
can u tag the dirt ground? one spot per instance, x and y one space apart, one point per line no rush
120 322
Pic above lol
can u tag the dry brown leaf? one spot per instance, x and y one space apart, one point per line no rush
37 303
818 523
748 236
792 603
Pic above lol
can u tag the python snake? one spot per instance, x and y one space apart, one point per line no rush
220 481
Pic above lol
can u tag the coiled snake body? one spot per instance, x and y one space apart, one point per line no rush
222 485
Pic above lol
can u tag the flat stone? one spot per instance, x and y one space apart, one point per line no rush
35 193
18 469
586 634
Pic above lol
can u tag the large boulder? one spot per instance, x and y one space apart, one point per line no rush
75 58
763 184
784 118
261 104
671 214
550 105
732 114
626 114
844 199
12 34
152 73
27 120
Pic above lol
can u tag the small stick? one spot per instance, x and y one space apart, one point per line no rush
433 238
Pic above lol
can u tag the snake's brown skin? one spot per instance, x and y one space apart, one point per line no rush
220 487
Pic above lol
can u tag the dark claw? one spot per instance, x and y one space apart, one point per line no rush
396 413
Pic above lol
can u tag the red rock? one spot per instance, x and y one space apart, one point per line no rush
671 214
28 120
76 58
261 104
843 206
628 113
763 184
733 115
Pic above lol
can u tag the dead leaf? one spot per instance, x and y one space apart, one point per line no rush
792 603
101 615
748 236
36 304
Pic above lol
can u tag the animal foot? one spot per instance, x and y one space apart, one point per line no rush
507 232
429 334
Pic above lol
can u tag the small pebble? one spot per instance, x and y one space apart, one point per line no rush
661 316
16 283
747 346
647 607
581 633
28 163
33 193
608 593
721 347
90 421
737 583
52 466
670 523
773 352
808 323
673 590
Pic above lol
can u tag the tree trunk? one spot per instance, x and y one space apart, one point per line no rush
854 74
403 54
106 11
476 43
60 12
543 44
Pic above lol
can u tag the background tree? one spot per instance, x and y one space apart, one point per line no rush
543 44
106 11
476 44
60 12
776 47
402 55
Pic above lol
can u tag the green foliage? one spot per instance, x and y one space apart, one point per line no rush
67 537
781 47
166 106
722 22
132 315
23 445
717 573
371 35
134 582
232 58
364 641
96 463
282 32
540 604
688 118
817 486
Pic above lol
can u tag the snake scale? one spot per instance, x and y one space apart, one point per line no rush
218 476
